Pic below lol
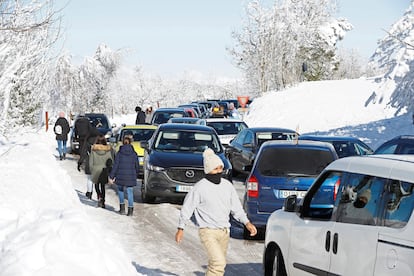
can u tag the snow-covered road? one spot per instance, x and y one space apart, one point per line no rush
148 236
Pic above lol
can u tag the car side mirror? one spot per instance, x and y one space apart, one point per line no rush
290 203
144 144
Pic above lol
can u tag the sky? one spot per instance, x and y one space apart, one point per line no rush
170 37
48 227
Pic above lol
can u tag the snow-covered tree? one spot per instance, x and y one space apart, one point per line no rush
27 34
278 43
394 57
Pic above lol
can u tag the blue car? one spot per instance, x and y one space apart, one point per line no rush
344 145
284 168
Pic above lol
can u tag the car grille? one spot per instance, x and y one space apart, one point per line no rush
187 175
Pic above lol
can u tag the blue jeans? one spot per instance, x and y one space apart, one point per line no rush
61 147
130 194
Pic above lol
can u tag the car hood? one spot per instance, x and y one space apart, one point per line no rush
180 159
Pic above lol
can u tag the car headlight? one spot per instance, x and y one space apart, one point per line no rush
155 168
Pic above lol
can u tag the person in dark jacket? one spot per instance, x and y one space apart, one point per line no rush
61 130
81 129
124 174
140 116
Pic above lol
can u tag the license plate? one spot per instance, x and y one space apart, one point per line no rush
183 189
286 193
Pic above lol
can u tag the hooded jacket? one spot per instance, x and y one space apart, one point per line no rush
126 166
97 159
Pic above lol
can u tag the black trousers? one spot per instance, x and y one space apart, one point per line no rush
100 190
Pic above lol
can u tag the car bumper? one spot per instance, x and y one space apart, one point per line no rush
160 185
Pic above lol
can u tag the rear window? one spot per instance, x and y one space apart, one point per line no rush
267 136
98 122
293 161
223 128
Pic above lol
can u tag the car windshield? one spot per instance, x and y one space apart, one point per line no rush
178 140
223 128
137 134
267 136
293 161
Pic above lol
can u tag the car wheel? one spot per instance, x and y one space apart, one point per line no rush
274 263
144 196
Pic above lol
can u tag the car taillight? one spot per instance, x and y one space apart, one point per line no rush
252 187
336 188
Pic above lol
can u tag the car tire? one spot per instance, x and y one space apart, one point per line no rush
145 197
274 263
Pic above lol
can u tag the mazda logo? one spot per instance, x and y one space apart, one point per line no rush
189 173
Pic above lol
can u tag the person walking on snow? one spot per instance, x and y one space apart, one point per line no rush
212 200
101 152
61 130
124 174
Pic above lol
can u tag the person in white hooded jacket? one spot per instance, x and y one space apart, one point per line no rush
212 200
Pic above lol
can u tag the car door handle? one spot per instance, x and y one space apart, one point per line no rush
328 241
335 243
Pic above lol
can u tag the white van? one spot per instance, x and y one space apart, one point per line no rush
369 231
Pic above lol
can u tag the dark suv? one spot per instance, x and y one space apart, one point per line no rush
284 168
403 144
173 160
98 120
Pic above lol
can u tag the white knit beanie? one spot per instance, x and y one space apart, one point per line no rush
211 160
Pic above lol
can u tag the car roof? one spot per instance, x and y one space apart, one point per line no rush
169 109
208 120
186 119
270 129
328 138
297 143
402 137
141 126
393 166
177 126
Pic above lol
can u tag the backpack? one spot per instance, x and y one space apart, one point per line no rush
58 129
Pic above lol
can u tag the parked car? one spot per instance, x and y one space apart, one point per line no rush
188 120
373 238
403 144
163 114
344 145
138 133
98 120
174 160
226 129
242 150
284 168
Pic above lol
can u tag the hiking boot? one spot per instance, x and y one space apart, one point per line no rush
64 156
89 195
61 157
130 211
121 209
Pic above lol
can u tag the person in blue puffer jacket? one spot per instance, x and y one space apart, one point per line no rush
124 174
